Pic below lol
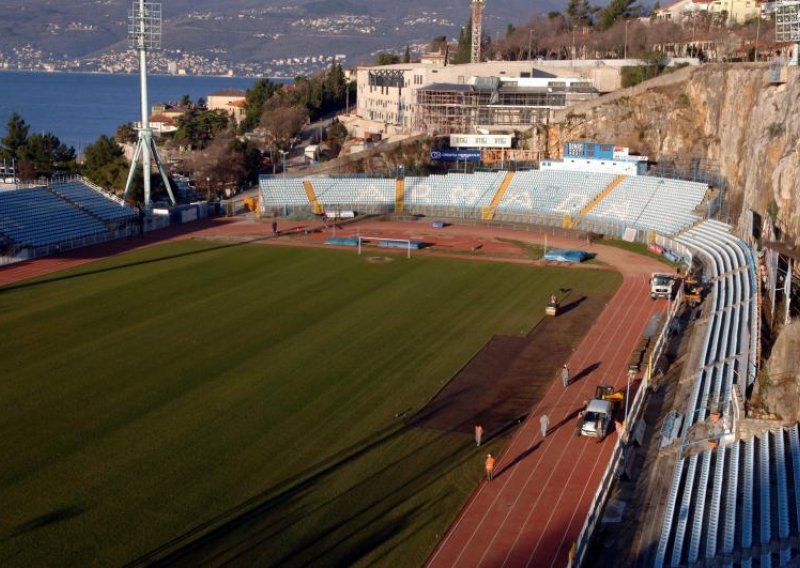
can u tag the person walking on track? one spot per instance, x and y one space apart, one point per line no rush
478 434
565 376
544 423
490 467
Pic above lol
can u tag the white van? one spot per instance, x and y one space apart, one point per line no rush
596 419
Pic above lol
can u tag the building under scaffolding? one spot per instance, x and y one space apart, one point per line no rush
496 102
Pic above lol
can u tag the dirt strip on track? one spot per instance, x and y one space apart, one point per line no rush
500 385
532 512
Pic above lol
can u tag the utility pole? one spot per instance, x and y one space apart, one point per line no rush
625 53
530 37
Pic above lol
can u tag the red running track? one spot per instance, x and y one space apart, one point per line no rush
534 509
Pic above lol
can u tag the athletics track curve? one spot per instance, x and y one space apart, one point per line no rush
533 511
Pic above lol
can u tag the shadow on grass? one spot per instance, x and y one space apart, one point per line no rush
294 527
566 308
42 281
53 517
267 501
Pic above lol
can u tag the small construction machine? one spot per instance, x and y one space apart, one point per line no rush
552 306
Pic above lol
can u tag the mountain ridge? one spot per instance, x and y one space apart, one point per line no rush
247 31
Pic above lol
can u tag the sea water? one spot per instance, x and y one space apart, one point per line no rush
79 107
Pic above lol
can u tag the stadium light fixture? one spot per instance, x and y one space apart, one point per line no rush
144 33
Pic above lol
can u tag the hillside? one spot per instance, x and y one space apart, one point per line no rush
247 30
732 118
727 115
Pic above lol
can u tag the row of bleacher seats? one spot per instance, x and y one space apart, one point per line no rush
282 192
471 191
91 200
553 191
729 500
336 191
649 203
643 203
42 216
709 508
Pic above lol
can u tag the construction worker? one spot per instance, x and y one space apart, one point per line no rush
544 424
489 467
478 434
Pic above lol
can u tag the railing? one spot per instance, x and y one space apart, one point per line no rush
28 253
617 461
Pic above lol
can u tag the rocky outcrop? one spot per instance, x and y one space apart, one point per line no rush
777 391
728 114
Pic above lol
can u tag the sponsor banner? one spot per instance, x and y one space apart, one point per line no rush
456 155
480 140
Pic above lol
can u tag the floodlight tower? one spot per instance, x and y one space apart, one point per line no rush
144 32
787 25
477 30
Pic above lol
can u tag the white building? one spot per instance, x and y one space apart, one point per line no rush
387 95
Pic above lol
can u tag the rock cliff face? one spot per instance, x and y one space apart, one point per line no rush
729 114
778 390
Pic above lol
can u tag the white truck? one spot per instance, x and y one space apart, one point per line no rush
661 285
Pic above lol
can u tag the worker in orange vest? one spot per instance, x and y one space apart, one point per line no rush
489 467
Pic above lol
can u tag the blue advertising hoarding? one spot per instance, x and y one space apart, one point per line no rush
456 155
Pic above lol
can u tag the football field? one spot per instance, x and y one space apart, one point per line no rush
246 403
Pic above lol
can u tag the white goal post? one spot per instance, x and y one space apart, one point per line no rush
407 242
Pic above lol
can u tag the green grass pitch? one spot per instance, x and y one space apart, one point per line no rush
244 397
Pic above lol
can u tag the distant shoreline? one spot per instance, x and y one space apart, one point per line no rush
136 73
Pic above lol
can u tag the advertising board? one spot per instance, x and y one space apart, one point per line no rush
456 155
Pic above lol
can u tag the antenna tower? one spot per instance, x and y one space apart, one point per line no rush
144 33
477 30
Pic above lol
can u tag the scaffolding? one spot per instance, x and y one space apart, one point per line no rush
449 109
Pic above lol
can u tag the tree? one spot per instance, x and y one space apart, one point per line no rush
335 84
439 43
126 133
225 165
385 58
185 102
579 12
510 29
105 164
198 128
282 124
407 55
464 48
16 137
617 10
45 155
255 99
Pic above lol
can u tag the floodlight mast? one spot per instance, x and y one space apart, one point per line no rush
145 34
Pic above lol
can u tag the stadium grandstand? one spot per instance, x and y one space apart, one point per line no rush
42 220
729 498
601 202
